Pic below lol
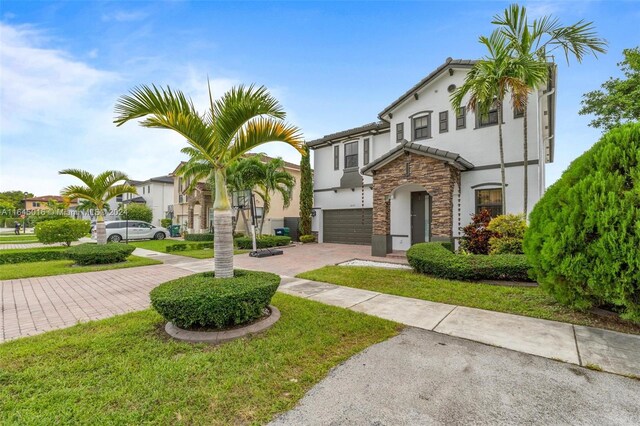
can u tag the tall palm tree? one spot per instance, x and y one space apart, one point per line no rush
98 190
274 179
244 118
488 83
537 40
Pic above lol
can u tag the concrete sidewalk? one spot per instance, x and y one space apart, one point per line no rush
590 347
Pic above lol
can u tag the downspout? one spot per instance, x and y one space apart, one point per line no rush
541 142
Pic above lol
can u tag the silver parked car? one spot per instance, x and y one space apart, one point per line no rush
118 230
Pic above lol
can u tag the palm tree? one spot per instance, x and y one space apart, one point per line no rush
98 190
274 179
488 83
244 118
536 41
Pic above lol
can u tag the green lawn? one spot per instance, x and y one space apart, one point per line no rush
124 370
22 238
527 301
60 267
160 246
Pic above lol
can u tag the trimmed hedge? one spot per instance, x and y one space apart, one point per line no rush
584 234
31 255
94 254
435 259
201 300
199 237
264 241
187 246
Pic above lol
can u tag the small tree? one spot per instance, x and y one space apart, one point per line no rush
136 212
62 230
477 234
306 193
618 100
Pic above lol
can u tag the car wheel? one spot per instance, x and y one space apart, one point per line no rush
115 238
159 236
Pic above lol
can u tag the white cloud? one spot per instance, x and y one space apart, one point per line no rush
125 16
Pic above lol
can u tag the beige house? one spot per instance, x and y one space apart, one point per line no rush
34 204
194 211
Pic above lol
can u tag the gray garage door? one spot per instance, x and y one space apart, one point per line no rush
349 226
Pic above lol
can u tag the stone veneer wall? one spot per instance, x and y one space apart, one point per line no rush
435 176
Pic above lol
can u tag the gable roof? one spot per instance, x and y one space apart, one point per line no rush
377 126
449 63
405 146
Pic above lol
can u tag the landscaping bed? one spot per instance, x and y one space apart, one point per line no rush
124 370
198 249
527 301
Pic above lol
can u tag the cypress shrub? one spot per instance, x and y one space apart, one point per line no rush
584 235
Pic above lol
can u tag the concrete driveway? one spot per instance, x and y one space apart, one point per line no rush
421 378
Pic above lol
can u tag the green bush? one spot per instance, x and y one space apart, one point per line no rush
437 260
94 254
62 230
584 233
31 255
508 233
307 238
264 241
201 300
199 237
135 211
187 246
165 223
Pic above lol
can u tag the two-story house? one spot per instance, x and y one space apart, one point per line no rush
194 210
420 172
156 193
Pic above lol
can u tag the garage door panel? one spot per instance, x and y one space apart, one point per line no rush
348 226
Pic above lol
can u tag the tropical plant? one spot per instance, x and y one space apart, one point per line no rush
244 175
243 119
490 80
134 211
536 41
584 233
98 190
618 100
306 193
477 234
274 179
508 232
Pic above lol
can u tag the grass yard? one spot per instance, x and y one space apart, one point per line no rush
527 301
160 246
22 238
61 267
124 370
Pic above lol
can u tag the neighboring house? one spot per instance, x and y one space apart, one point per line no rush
420 172
194 211
35 204
156 193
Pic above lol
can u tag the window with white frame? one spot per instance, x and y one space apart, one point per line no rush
422 127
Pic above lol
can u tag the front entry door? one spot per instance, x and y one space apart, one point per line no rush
418 217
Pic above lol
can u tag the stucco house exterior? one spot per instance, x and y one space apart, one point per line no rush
156 193
194 211
421 171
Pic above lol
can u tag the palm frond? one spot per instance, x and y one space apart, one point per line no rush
86 177
261 131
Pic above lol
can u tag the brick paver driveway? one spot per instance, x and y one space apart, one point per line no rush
35 305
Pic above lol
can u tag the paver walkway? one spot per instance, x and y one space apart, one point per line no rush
35 305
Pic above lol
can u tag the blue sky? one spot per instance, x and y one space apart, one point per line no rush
333 65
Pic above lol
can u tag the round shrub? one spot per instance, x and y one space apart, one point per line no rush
62 230
201 300
310 238
94 254
508 233
584 233
135 211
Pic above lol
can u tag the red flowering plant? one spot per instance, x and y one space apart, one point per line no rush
477 234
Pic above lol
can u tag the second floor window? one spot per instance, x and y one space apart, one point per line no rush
119 198
489 199
489 118
336 157
421 127
444 121
518 112
461 118
399 132
350 155
366 149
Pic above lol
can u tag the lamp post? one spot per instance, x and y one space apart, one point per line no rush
24 223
